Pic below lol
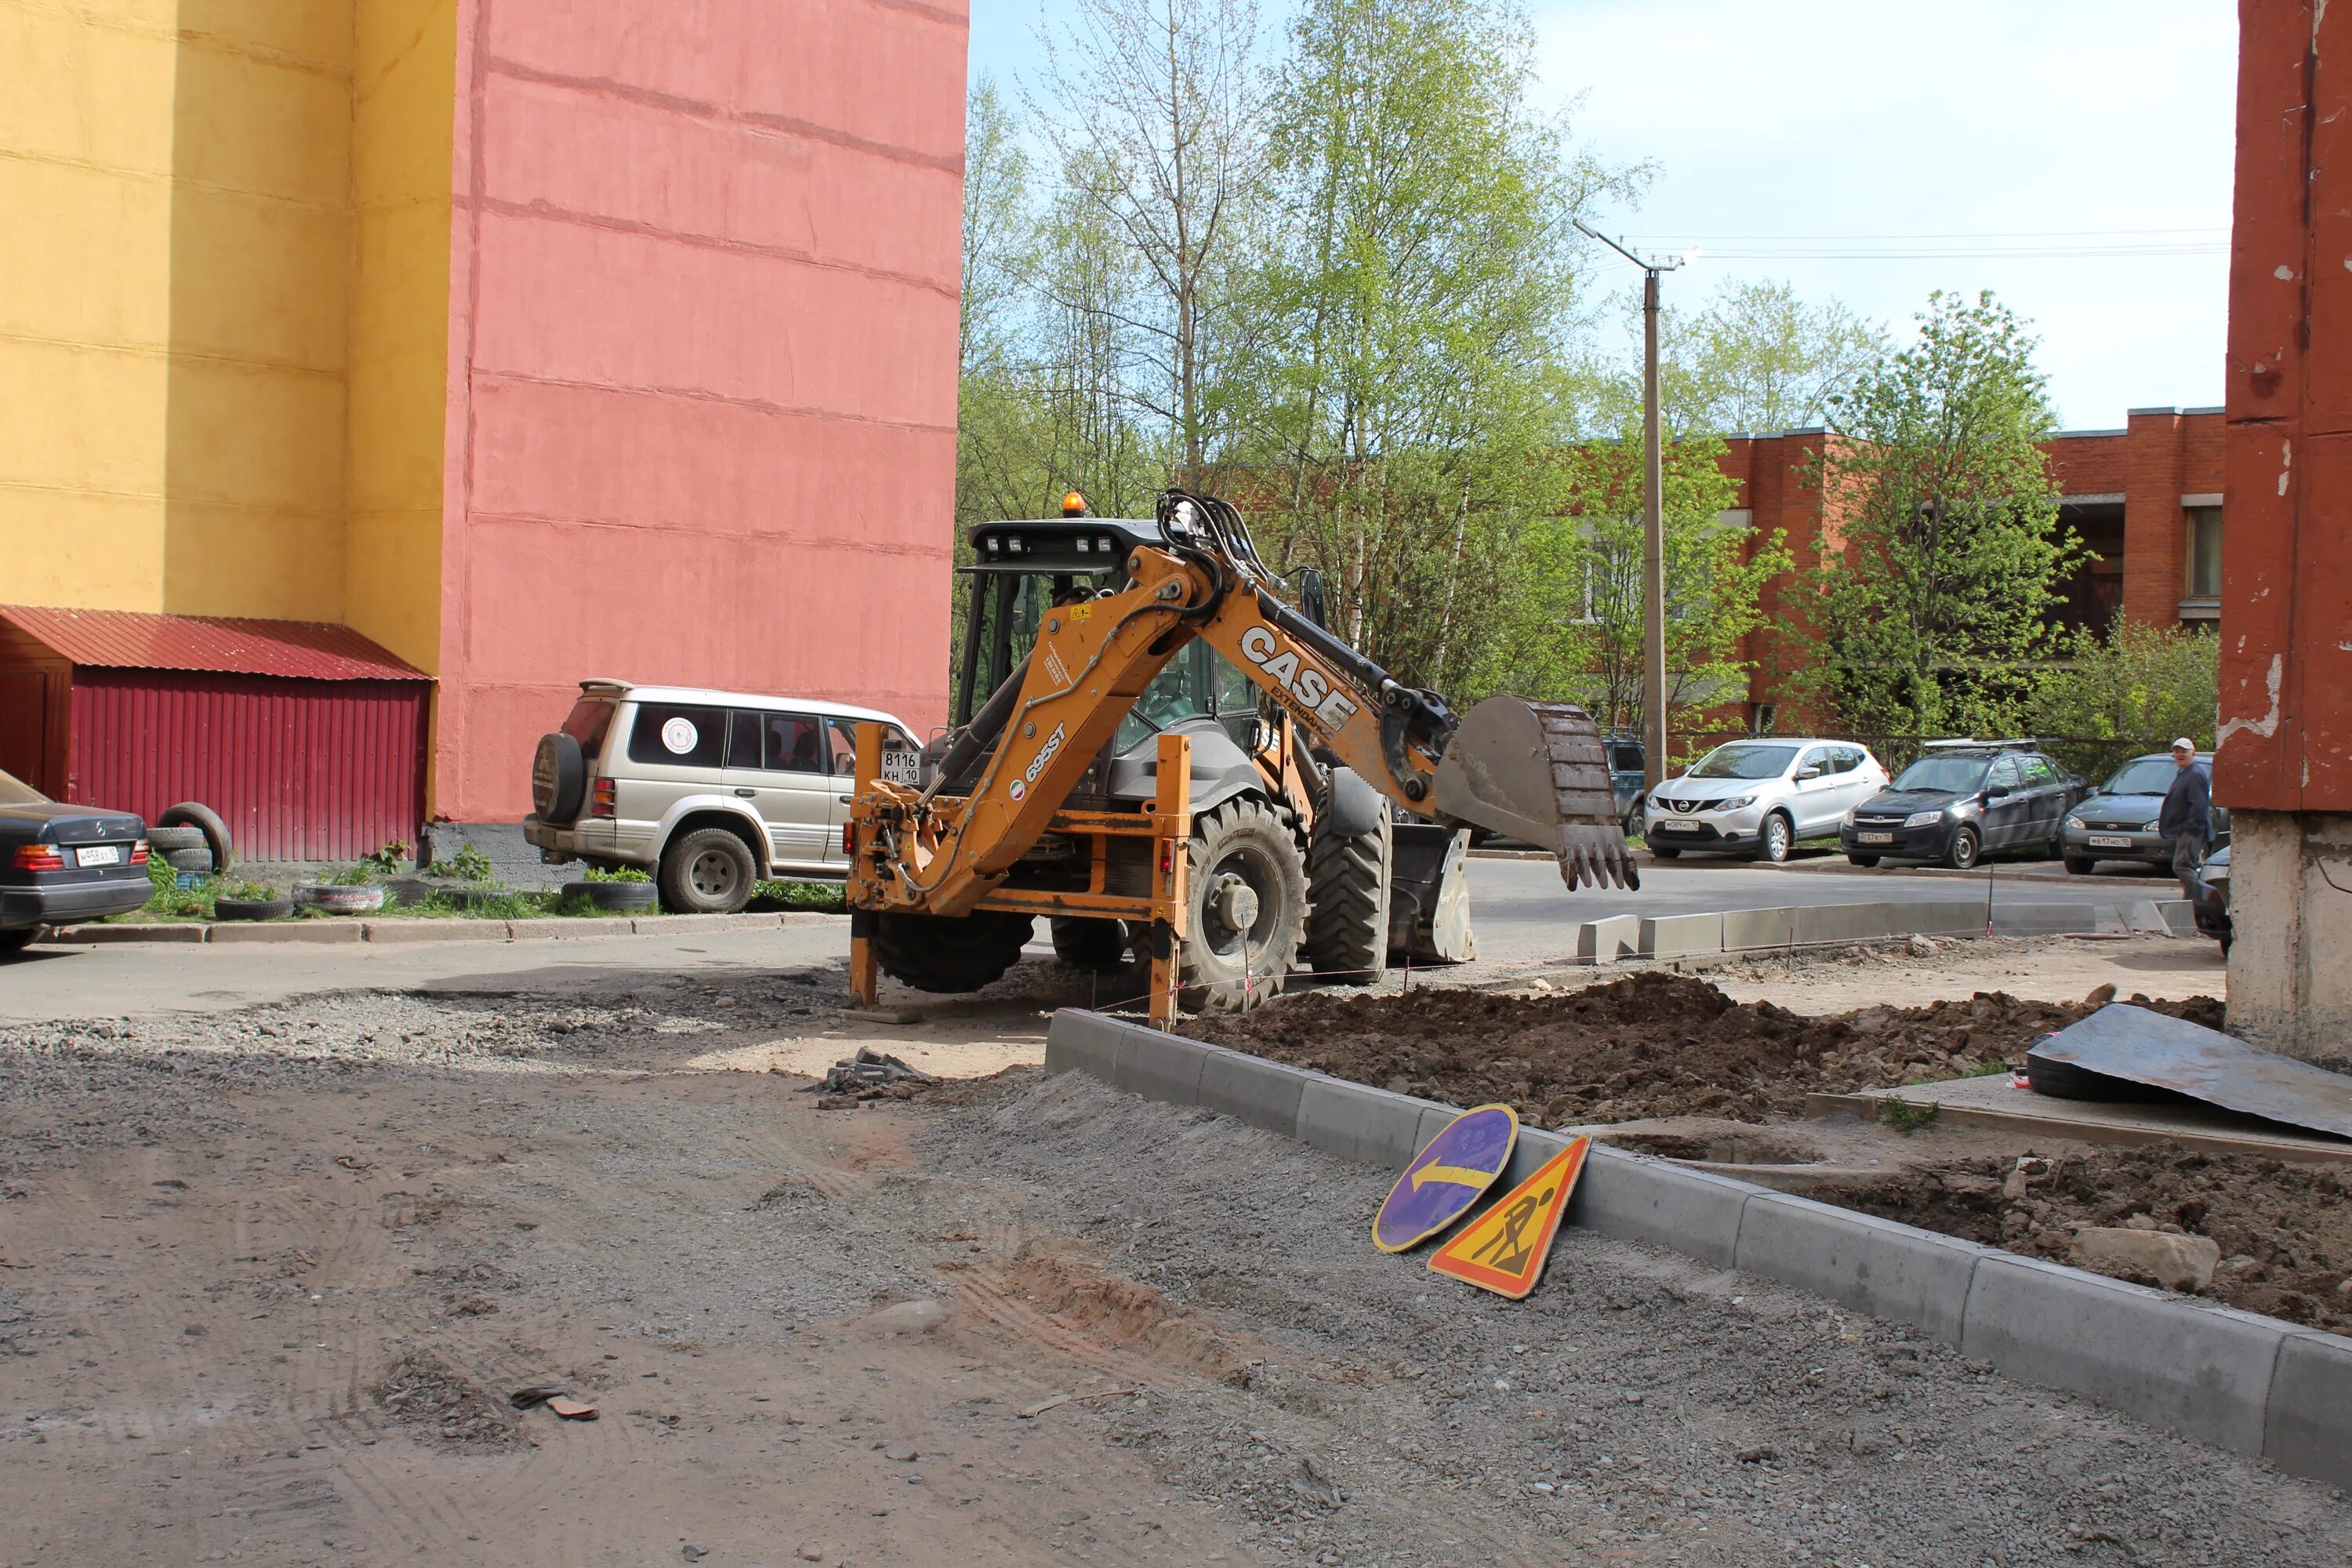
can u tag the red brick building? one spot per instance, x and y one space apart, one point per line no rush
2145 498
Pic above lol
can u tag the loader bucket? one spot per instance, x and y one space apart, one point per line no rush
1536 772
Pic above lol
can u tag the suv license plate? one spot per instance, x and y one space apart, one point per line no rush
902 766
1874 838
1678 827
2108 841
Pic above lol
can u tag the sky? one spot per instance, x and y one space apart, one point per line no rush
2074 156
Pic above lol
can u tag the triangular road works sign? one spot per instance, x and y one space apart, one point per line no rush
1503 1250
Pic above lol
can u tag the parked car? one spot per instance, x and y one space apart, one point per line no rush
2212 911
1760 797
1963 801
1629 775
708 790
2118 821
61 865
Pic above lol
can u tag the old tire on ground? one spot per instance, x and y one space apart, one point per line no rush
22 936
709 872
1085 942
618 898
1248 909
559 778
949 953
252 908
1962 854
1776 838
1347 936
1866 861
204 820
2064 1080
197 861
2081 865
172 840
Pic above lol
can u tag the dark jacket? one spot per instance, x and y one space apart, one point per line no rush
2188 808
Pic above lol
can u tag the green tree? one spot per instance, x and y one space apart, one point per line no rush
1158 118
2129 693
1590 581
1758 359
1942 556
1417 376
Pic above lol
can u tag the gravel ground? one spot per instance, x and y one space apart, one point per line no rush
1639 1407
458 1194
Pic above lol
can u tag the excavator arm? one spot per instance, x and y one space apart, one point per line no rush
1532 771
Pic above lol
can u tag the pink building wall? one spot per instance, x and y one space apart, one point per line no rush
702 362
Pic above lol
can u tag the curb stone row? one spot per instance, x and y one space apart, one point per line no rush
2235 1379
550 928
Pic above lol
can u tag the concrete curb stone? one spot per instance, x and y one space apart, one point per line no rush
2236 1379
562 927
1858 1261
2304 1431
108 935
292 931
1680 936
1249 1088
1355 1122
402 932
1745 931
2203 1370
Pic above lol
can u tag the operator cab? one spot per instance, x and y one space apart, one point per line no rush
1022 570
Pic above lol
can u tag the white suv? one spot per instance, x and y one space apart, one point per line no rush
1760 796
710 790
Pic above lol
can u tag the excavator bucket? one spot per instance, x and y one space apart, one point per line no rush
1537 771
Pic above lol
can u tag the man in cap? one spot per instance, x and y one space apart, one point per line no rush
2187 817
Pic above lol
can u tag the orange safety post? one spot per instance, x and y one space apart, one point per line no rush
864 974
1171 821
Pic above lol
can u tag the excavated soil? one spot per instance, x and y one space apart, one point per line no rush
2285 1231
1650 1045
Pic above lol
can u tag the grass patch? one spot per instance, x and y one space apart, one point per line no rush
1907 1118
774 896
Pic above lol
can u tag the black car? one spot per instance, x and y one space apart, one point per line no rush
2118 822
60 864
2211 911
1959 802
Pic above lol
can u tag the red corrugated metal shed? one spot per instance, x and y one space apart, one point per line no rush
309 740
127 640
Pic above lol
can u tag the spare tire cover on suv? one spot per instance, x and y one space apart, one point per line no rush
559 778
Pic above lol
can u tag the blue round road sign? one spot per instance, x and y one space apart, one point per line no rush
1447 1177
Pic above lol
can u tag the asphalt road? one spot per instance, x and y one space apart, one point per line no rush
1521 913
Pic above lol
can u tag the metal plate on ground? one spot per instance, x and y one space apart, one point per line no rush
1450 1174
2140 1046
1503 1250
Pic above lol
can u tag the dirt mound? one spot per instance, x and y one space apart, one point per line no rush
1650 1045
2285 1231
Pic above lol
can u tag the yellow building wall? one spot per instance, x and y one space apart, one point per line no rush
403 105
189 314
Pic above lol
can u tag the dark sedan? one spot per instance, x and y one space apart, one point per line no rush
1958 804
2118 823
60 864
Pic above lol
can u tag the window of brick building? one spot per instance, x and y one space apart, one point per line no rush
2204 558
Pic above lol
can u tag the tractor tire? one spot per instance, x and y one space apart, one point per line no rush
1347 939
1248 909
1099 946
709 872
949 953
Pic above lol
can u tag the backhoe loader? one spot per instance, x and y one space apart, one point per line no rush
1192 779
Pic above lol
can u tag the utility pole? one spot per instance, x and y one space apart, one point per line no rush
1653 525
